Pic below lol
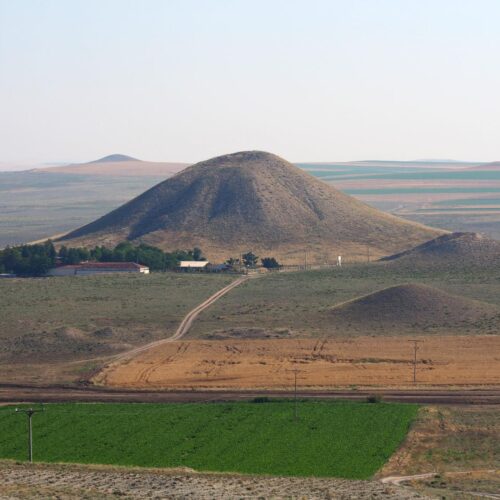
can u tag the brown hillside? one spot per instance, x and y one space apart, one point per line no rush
253 201
456 249
415 308
118 165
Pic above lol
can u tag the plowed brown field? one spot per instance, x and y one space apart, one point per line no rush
363 361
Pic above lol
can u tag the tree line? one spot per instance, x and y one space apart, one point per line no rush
38 259
250 261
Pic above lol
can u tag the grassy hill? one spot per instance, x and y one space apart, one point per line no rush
413 307
253 201
451 250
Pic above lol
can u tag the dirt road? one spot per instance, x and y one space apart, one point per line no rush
51 394
185 323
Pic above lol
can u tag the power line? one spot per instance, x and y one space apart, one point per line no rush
29 413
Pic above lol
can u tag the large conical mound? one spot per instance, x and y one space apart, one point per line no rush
415 308
451 250
254 201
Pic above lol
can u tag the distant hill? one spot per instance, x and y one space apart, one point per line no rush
119 165
449 250
487 166
115 158
253 201
411 307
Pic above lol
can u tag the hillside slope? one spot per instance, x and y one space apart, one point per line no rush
450 250
254 201
414 307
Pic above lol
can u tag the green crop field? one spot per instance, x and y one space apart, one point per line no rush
331 439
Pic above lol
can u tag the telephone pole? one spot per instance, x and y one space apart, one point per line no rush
295 409
29 413
415 349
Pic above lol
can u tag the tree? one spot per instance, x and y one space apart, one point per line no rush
250 259
197 254
270 263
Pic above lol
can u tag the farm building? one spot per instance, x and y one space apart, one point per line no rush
192 265
88 268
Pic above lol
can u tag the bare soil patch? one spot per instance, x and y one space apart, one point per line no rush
72 482
460 444
363 361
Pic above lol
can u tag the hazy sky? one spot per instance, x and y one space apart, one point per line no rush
311 80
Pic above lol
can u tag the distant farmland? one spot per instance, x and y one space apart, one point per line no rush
36 204
339 439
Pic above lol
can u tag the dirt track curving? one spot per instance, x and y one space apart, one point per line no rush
186 323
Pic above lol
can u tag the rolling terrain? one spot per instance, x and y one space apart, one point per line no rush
253 201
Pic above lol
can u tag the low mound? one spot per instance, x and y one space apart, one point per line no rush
456 249
415 308
255 201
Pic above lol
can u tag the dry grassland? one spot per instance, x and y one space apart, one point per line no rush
364 361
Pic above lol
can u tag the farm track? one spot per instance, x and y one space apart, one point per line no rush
51 394
182 330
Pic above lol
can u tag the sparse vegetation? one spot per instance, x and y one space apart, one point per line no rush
302 301
100 311
341 439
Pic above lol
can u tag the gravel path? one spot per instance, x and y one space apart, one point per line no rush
64 482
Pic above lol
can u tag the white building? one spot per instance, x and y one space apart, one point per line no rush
88 268
192 265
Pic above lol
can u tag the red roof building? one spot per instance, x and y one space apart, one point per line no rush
88 268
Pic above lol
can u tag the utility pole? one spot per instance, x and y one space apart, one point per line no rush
295 409
368 252
415 349
30 412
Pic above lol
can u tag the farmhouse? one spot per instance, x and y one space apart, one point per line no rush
88 268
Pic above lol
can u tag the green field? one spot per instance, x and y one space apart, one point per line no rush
335 439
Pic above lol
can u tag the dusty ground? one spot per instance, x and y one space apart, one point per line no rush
364 361
460 443
72 482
